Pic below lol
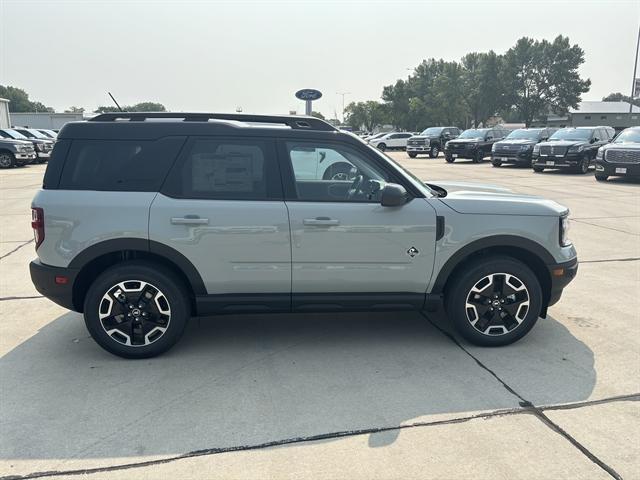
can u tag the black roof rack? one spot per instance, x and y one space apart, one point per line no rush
292 121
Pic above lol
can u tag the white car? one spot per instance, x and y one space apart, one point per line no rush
394 140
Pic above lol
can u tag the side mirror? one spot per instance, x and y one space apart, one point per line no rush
393 195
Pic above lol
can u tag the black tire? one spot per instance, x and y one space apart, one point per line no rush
460 290
412 155
496 163
449 158
479 155
7 160
382 147
601 178
434 151
338 171
583 166
130 273
538 169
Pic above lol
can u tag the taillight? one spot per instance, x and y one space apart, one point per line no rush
37 223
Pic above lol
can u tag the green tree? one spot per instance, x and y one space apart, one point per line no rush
74 109
19 101
138 107
619 97
543 77
318 115
483 91
367 115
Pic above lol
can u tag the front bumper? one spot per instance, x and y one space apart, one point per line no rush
570 160
561 275
25 157
44 279
520 158
618 169
44 154
460 153
418 148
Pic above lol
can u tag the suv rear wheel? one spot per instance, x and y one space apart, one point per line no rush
494 301
382 146
136 309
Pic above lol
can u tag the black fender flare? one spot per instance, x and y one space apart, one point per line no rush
505 241
141 244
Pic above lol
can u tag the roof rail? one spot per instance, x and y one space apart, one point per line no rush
292 121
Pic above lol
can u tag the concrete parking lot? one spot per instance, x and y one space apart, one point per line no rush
385 395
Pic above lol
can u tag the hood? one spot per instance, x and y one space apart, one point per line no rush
465 140
479 199
622 146
18 142
565 143
517 141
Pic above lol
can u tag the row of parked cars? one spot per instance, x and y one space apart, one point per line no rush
21 146
573 149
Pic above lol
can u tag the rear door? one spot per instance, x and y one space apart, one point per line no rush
222 208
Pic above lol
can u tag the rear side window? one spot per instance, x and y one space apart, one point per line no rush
119 165
220 168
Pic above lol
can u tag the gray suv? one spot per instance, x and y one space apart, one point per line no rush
145 220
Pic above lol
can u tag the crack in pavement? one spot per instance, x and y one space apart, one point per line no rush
16 249
629 259
531 408
4 299
335 435
607 228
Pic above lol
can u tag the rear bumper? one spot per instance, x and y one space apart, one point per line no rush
614 169
561 275
44 279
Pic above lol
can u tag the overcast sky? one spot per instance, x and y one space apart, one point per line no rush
218 55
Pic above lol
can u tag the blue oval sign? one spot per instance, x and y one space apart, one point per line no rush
308 94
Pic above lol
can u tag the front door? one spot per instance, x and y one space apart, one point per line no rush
222 208
343 240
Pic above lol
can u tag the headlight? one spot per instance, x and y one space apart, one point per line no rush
576 148
446 145
525 148
564 231
600 154
493 147
536 148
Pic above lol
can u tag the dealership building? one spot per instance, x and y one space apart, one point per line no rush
592 114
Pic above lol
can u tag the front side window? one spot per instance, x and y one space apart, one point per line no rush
332 173
219 168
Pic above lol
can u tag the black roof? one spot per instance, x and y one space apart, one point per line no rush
152 125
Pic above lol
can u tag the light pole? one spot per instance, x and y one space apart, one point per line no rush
343 95
635 67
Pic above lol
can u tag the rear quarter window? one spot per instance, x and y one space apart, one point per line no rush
119 165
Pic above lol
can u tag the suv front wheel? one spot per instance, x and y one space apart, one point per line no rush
494 301
136 309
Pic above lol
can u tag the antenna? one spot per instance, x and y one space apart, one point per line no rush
114 101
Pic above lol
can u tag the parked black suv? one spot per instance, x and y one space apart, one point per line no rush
570 148
431 141
621 158
474 143
518 146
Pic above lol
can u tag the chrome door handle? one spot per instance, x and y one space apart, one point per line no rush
321 222
189 220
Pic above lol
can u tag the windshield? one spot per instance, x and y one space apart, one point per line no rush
432 131
414 180
48 133
523 134
13 134
36 134
628 136
577 134
472 134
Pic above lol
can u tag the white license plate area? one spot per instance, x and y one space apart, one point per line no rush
621 170
454 155
550 162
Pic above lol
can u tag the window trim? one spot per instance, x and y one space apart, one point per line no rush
274 185
289 179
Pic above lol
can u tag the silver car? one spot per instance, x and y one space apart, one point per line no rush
142 224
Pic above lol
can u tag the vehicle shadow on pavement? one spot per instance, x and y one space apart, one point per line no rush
243 380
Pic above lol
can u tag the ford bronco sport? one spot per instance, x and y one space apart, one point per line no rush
146 219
